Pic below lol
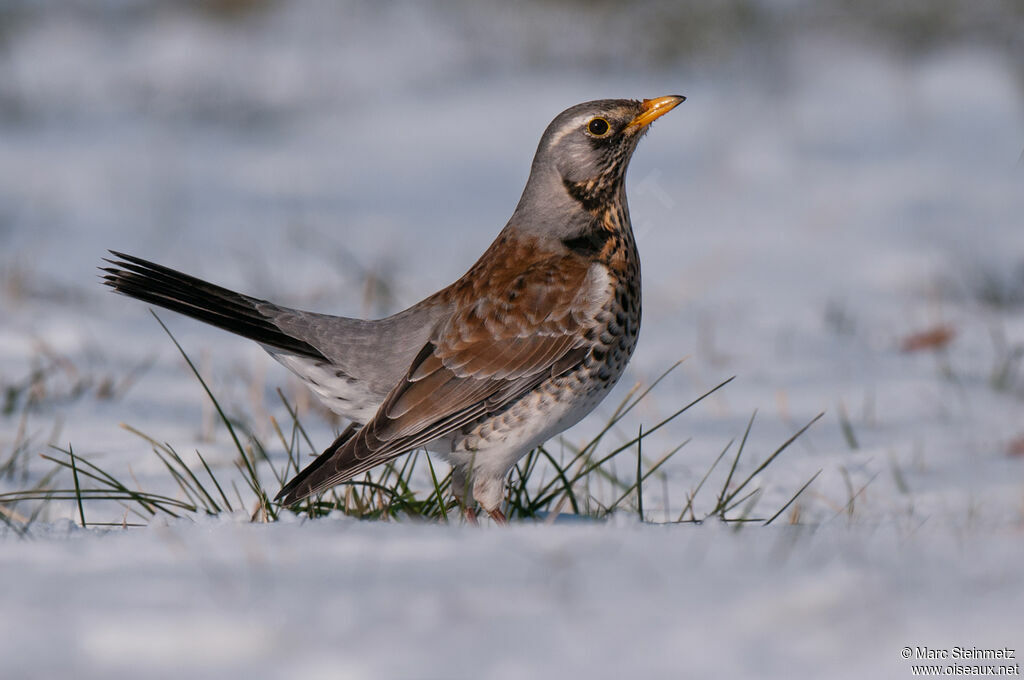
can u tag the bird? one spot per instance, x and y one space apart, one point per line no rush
521 347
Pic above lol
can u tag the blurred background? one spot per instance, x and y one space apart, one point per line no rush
836 214
229 128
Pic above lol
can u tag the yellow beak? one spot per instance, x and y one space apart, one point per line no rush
652 109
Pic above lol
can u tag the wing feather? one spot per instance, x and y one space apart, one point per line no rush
486 356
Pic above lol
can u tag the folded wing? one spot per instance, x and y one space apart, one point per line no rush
478 362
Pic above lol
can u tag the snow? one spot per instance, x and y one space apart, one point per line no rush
340 598
819 198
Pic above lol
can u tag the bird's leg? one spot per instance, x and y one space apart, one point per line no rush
460 483
488 492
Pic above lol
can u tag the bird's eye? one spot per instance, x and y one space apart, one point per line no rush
598 127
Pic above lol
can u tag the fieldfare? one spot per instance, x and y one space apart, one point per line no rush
520 348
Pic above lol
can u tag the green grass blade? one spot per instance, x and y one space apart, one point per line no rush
78 487
650 471
768 461
437 490
700 484
640 474
795 496
195 371
722 501
216 484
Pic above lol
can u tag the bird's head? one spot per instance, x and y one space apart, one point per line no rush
583 155
597 139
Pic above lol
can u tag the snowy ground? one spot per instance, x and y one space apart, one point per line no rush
818 200
342 599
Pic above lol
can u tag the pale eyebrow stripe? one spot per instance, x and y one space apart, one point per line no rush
570 127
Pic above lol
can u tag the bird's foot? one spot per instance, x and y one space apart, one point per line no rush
471 517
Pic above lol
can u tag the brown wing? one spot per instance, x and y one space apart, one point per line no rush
499 345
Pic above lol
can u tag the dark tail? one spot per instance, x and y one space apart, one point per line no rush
194 297
300 485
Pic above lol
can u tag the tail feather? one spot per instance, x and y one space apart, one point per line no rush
301 485
220 307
